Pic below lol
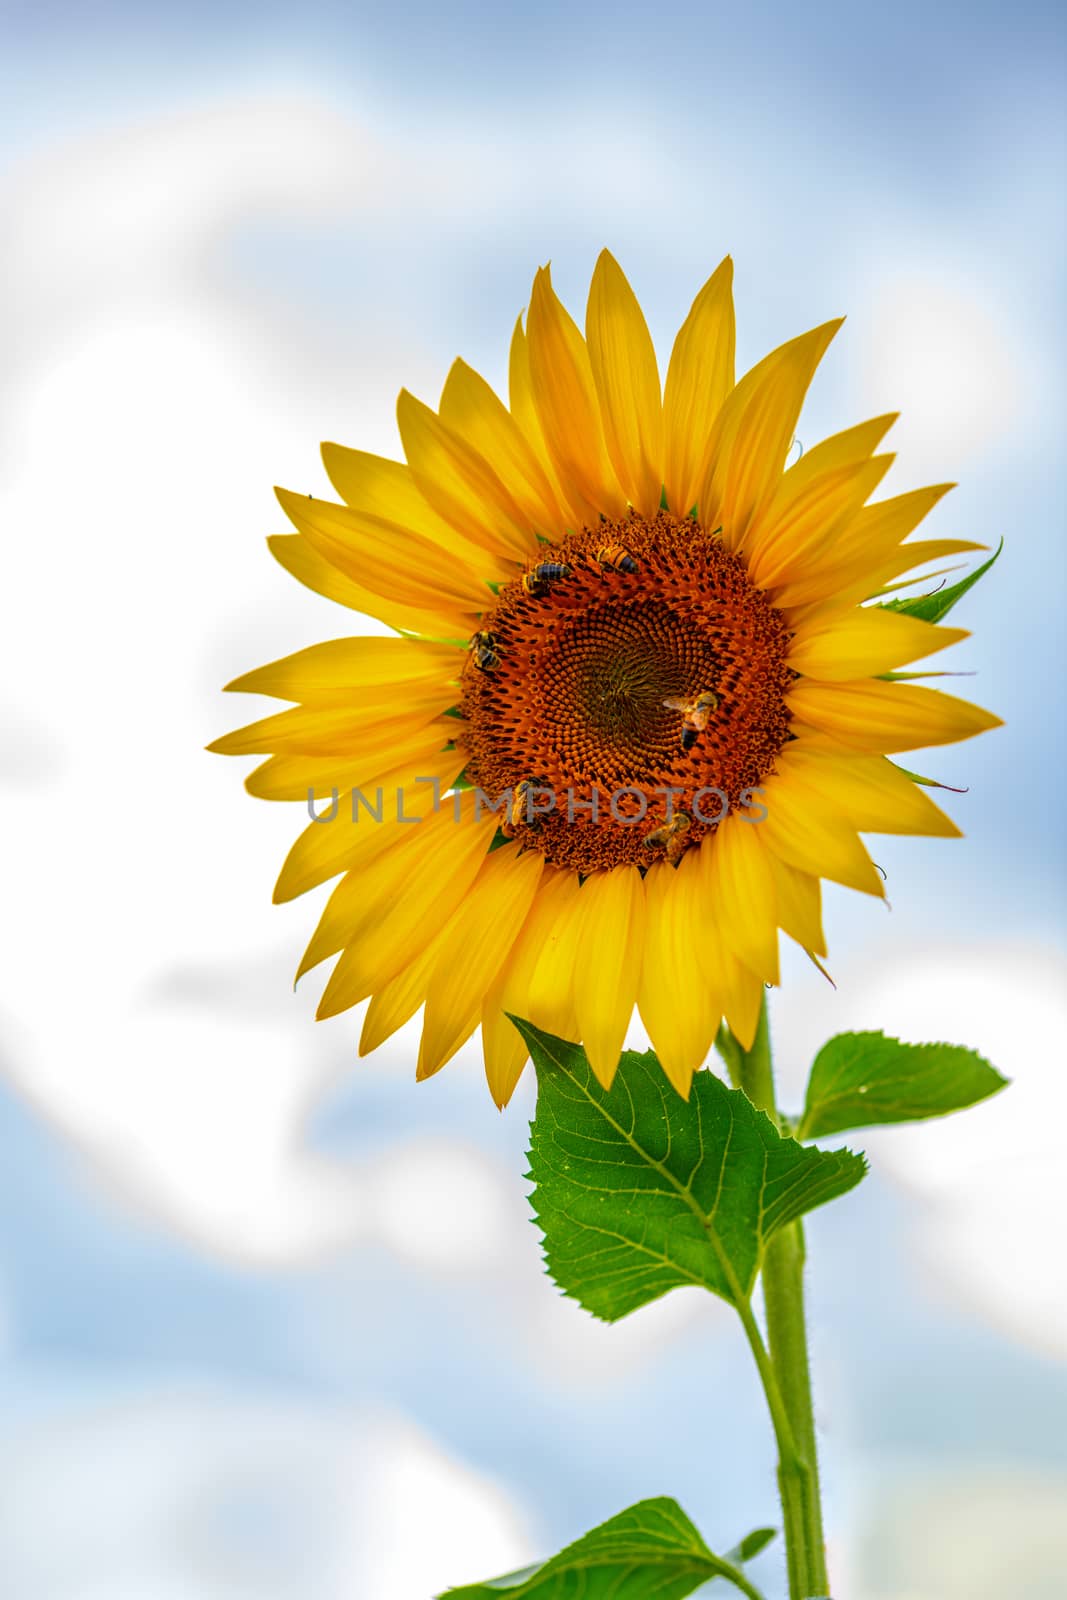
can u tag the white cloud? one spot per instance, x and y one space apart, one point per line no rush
146 422
427 1522
935 347
139 205
190 1493
965 1534
444 1207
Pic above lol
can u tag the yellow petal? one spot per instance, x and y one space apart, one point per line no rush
475 946
902 558
504 1052
607 966
331 731
385 488
508 996
871 792
796 531
880 718
624 367
365 824
294 777
735 988
872 536
567 406
304 563
853 579
399 999
359 898
439 867
742 998
866 642
798 900
357 672
524 411
550 991
676 996
741 884
752 434
887 523
848 448
473 411
389 560
699 377
460 484
807 832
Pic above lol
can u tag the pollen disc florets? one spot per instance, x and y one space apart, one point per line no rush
614 622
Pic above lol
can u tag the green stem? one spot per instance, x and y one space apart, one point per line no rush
783 1297
783 1294
793 1471
739 1581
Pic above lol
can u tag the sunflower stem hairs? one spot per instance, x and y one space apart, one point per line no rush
641 693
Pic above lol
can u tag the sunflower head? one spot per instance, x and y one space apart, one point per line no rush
642 675
640 695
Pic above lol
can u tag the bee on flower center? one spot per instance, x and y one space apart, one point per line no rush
538 581
613 558
521 801
485 651
696 714
671 836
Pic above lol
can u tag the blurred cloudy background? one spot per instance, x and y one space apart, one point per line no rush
272 1321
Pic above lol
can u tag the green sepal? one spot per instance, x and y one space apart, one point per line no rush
862 1080
932 607
650 1552
927 783
912 677
638 1191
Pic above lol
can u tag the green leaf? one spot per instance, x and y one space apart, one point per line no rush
650 1552
861 1079
932 607
639 1191
752 1544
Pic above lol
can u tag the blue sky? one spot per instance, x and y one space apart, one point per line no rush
262 1305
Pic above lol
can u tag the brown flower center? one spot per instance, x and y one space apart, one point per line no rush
634 674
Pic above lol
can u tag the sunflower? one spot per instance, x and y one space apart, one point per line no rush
633 708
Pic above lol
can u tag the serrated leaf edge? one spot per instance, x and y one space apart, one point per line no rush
834 1160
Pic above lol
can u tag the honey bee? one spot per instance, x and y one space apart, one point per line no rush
696 714
671 836
613 558
485 652
543 576
519 810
